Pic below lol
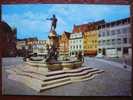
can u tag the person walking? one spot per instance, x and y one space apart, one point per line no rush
124 62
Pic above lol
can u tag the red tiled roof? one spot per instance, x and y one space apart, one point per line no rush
86 27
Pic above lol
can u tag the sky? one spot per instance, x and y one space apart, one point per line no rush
30 19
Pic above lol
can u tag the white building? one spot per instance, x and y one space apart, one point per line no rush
115 38
21 45
75 43
40 47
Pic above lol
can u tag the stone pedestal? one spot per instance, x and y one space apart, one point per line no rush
53 39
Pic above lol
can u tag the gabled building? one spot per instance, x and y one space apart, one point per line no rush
90 43
64 44
75 43
90 36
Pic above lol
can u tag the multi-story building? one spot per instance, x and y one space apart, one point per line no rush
40 47
64 44
90 36
31 45
115 38
7 40
21 44
75 43
22 47
90 43
30 42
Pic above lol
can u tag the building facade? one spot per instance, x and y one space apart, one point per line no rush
90 43
40 47
30 42
21 43
7 40
90 36
115 38
75 43
22 48
64 44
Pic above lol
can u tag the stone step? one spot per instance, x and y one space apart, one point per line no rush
45 83
54 85
47 77
59 83
84 79
41 82
87 75
68 71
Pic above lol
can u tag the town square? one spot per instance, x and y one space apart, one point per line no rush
66 50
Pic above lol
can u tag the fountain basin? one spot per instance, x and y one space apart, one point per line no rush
59 65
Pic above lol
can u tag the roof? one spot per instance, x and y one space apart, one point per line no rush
87 27
28 39
116 22
67 34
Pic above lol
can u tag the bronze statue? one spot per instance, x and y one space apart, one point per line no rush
54 22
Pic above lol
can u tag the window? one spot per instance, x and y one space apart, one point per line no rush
113 41
99 42
125 40
107 33
108 42
73 47
99 35
73 41
77 46
119 41
113 32
103 41
80 46
119 49
103 33
118 31
125 30
72 53
125 50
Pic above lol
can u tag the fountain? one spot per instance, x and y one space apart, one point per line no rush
51 62
42 74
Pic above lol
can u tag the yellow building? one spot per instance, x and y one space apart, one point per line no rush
90 43
90 36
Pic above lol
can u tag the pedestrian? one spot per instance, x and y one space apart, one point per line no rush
124 62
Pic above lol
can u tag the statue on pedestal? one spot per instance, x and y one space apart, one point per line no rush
54 22
52 52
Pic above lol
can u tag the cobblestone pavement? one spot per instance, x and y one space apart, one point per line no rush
115 81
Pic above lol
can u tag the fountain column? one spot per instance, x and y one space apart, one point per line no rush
53 39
